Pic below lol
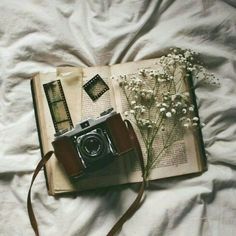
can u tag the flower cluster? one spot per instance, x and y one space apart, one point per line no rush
178 106
189 61
158 100
145 99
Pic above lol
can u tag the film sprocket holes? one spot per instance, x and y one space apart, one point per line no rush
58 107
91 144
95 87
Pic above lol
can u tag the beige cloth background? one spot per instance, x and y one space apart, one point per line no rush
40 35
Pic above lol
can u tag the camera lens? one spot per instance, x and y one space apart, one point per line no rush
91 146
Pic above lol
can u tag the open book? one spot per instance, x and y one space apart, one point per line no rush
185 157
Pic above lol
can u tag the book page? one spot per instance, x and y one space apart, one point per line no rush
181 157
71 83
90 108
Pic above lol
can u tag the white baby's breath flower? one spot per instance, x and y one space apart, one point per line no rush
143 94
187 54
142 72
186 125
178 104
168 114
126 113
148 96
132 111
142 110
195 118
162 109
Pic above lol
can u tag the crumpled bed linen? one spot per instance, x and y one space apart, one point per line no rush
40 35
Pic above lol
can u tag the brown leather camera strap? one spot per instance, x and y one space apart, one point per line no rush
136 203
40 165
131 210
136 144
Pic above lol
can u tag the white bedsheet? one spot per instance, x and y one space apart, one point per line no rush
40 35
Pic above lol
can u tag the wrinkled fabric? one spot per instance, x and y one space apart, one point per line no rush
40 35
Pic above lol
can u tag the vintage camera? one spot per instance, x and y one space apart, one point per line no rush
92 144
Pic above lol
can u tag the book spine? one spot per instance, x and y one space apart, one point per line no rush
32 86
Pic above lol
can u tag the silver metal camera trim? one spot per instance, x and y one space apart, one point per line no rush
91 121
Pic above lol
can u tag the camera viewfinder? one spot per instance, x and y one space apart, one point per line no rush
84 124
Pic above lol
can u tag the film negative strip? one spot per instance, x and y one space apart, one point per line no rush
58 107
95 87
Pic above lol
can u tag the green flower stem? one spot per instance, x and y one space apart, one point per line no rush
164 148
136 121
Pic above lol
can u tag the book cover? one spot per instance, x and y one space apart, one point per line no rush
184 157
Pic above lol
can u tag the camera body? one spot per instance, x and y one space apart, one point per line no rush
92 144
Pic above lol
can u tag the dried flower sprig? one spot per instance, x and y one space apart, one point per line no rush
191 63
159 105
